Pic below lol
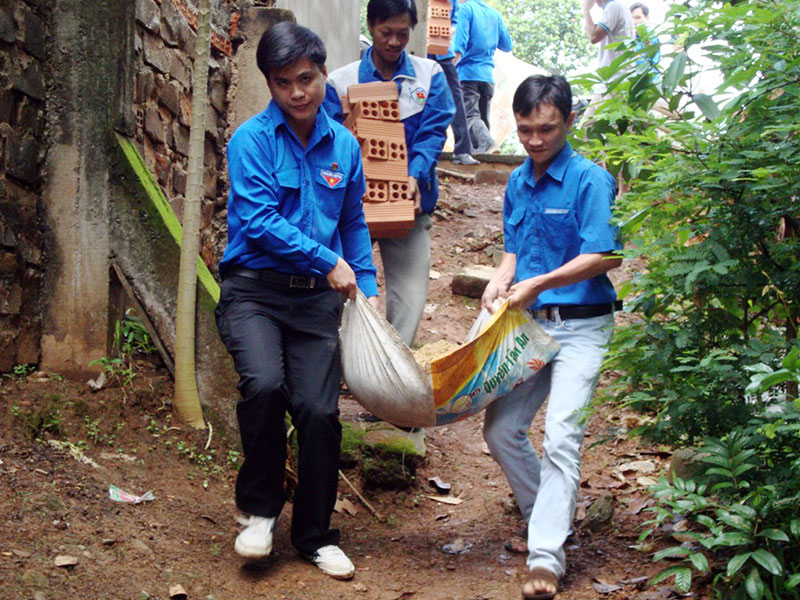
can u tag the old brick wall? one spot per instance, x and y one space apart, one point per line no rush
165 41
24 27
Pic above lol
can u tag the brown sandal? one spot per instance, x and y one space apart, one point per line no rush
542 575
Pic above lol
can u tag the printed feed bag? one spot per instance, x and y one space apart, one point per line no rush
502 350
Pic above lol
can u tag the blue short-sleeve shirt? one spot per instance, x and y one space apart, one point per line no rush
297 209
549 222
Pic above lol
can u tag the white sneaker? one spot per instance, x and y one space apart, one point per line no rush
255 541
332 561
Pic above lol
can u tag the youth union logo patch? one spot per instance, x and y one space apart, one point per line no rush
419 96
331 178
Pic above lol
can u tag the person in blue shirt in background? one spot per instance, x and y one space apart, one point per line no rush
559 245
462 150
426 110
640 13
480 32
298 245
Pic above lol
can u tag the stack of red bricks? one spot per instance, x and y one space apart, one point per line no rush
373 116
438 26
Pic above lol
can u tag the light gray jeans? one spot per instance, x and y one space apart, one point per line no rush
406 270
546 490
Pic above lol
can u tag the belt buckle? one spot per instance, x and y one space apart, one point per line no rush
299 281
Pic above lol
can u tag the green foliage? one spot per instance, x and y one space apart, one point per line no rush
742 520
119 369
39 418
131 337
547 33
712 212
130 340
22 371
712 220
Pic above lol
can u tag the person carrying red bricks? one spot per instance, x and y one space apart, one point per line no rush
298 244
426 110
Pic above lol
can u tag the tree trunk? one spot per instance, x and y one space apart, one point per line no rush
187 399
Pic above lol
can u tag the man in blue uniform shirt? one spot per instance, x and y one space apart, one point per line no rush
480 32
426 109
462 149
559 245
297 244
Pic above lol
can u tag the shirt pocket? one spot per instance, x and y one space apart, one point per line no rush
329 189
288 178
559 228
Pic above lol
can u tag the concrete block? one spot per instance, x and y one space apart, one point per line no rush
180 68
30 82
22 159
178 180
154 126
6 341
34 36
471 281
8 32
217 96
148 15
10 297
6 106
8 263
145 84
180 139
155 54
170 97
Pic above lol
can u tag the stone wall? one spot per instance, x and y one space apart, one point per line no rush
165 41
24 29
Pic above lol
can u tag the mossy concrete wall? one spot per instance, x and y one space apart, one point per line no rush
145 242
90 93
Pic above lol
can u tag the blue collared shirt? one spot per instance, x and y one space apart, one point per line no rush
549 222
426 109
480 32
453 21
293 209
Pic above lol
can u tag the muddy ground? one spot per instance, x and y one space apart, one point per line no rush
55 505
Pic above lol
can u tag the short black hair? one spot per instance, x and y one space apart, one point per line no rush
285 43
645 10
380 10
543 89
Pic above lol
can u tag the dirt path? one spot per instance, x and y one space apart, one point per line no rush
53 505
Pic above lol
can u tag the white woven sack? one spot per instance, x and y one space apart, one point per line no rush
380 370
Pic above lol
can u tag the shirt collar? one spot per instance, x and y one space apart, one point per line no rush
368 71
322 126
556 169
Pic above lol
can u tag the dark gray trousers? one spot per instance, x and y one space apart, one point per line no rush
285 347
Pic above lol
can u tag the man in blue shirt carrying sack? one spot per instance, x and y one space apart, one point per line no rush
297 245
479 33
559 245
